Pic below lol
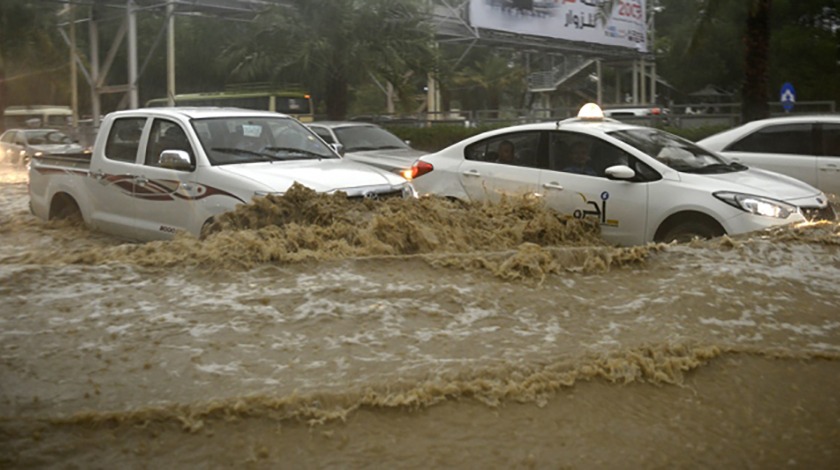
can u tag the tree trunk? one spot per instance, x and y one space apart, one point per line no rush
3 95
4 90
756 50
336 96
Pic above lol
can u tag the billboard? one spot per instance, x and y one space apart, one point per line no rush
618 23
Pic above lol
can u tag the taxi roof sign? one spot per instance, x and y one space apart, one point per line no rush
590 112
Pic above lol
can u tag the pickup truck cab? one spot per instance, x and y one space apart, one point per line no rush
155 172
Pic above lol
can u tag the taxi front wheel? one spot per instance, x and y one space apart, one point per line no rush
687 231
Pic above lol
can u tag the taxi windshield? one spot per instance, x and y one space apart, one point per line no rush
676 152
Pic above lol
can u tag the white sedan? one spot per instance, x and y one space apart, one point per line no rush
641 184
367 143
804 147
18 146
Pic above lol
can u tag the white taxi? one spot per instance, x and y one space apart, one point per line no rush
641 184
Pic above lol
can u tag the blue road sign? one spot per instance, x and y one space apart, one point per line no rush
787 96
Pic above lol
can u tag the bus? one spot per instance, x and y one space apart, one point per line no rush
37 116
296 104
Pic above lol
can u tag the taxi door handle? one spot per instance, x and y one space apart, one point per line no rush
472 172
552 185
141 180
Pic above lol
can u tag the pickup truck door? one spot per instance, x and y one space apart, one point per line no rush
167 200
111 179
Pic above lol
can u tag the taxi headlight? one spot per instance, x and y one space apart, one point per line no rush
758 205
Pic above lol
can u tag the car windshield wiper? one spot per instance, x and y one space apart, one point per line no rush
295 153
238 151
718 168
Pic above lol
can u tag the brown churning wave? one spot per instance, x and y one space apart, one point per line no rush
660 365
516 239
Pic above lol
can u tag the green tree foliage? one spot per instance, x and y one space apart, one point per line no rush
729 44
333 44
690 60
333 47
805 48
31 64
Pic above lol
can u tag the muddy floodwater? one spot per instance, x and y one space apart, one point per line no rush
309 331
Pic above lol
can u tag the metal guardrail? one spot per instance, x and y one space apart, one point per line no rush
688 116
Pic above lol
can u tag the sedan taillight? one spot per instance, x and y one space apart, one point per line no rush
419 168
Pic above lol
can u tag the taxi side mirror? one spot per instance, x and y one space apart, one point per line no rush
620 172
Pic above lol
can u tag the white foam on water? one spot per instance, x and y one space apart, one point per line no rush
231 368
205 330
118 329
744 321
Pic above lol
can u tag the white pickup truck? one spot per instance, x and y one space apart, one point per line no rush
154 172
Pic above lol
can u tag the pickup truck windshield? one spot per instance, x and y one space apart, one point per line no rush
231 140
676 152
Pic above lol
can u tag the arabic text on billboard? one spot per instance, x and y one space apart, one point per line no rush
572 20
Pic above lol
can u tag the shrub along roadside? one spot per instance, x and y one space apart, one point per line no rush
440 136
436 137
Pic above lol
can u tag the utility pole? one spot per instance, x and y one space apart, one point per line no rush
170 53
74 85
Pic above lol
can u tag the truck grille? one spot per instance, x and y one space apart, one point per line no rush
819 213
379 195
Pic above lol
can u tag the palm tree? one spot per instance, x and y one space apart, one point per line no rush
334 44
489 78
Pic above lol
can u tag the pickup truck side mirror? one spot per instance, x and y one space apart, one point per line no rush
339 149
175 160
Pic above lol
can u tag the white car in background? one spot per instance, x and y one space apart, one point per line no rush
18 146
804 147
639 114
367 143
640 184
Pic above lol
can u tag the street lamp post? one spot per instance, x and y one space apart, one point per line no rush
654 9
